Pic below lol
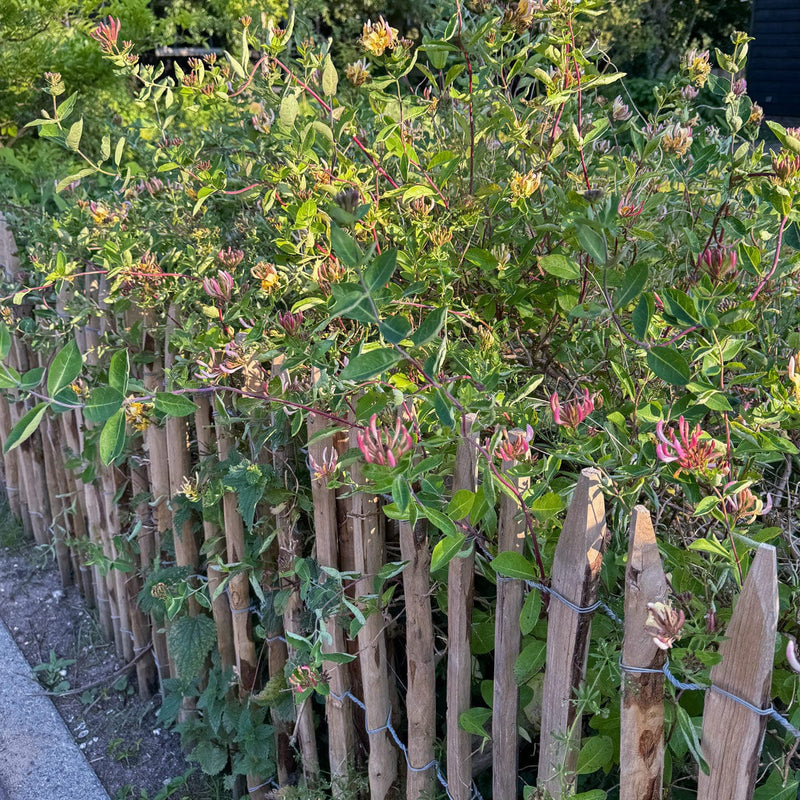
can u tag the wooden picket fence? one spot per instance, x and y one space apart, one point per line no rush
77 516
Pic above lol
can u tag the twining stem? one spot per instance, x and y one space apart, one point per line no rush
774 266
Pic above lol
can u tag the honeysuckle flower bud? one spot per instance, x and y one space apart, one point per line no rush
739 87
107 33
689 92
219 288
664 624
719 262
290 322
744 506
384 446
571 415
514 445
785 166
791 654
230 257
692 454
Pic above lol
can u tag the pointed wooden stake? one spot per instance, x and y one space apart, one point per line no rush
642 718
576 570
733 734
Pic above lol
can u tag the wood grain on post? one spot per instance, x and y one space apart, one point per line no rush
339 713
642 717
460 587
220 609
576 570
421 687
733 734
369 540
290 546
510 592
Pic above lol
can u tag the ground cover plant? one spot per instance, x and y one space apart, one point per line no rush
463 226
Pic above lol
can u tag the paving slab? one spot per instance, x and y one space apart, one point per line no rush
39 759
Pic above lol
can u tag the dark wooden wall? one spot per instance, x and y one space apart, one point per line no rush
773 71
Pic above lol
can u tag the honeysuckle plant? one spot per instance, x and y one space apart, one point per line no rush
467 224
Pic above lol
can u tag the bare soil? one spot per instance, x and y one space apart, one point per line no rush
133 756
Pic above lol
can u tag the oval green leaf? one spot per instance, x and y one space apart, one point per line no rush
669 365
174 405
112 438
25 427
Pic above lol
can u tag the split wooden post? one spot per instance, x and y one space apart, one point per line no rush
220 609
510 592
642 717
576 570
421 688
290 547
733 734
369 540
326 535
460 587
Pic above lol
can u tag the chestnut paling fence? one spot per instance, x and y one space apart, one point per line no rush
108 527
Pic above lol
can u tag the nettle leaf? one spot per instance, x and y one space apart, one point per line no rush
118 371
367 365
669 365
24 429
190 640
632 286
65 367
112 438
103 402
174 405
596 752
249 483
211 757
514 565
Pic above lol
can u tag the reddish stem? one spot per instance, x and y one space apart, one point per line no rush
771 272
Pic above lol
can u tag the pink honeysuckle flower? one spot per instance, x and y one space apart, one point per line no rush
290 322
664 624
384 446
322 471
744 505
791 654
107 33
514 445
230 257
691 454
628 209
219 288
572 414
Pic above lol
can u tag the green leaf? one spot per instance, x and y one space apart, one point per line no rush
687 728
118 371
642 315
380 271
669 365
774 789
174 405
118 150
632 286
330 78
531 609
461 504
395 329
5 341
547 505
211 757
530 661
442 522
705 505
32 378
593 242
352 302
345 247
25 427
112 438
248 481
559 266
400 493
73 140
595 753
289 110
446 550
430 326
65 367
190 640
9 377
338 658
104 401
514 565
367 365
474 721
